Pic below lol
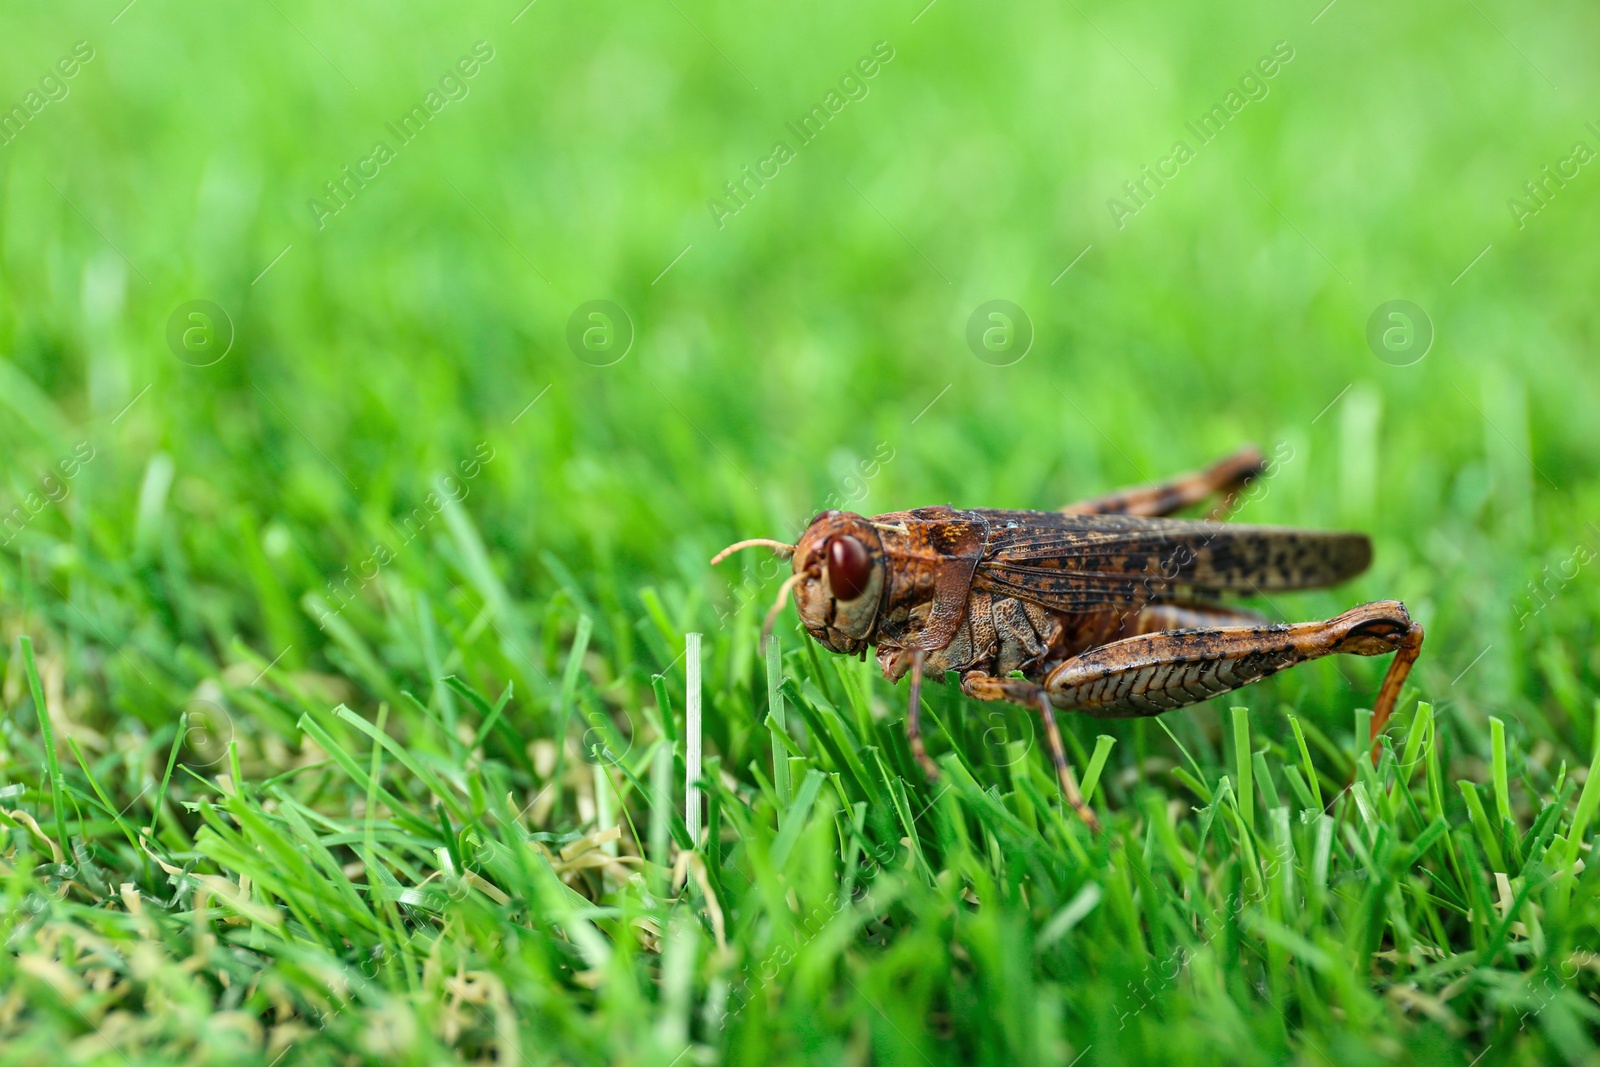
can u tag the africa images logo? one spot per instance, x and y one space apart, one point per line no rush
455 84
53 88
853 86
1253 86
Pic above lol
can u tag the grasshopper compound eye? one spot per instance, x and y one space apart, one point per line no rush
849 567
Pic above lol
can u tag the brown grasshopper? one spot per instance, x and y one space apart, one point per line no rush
1105 607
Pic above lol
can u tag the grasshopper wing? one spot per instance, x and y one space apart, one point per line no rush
1097 563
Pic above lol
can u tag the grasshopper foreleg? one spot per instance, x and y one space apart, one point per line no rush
914 716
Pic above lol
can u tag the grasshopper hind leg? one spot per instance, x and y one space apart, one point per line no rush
1405 655
1227 476
1151 673
1155 672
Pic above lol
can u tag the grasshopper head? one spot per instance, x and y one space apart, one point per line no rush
838 579
839 574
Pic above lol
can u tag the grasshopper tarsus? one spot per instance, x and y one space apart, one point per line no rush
1058 757
1394 678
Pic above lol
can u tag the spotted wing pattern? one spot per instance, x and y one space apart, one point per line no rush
1099 563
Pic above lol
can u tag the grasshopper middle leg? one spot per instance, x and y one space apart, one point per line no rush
975 683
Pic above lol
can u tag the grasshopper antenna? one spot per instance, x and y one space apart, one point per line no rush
755 542
777 605
784 551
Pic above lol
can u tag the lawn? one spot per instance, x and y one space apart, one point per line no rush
376 384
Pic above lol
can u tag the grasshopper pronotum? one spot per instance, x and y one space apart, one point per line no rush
1104 607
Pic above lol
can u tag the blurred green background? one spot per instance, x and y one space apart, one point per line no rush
809 349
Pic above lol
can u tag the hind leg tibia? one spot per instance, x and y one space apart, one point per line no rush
1227 476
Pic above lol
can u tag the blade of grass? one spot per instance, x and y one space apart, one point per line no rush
1587 802
1305 759
1091 775
1198 785
351 767
1264 782
408 760
1421 729
105 801
692 738
669 728
1241 755
1502 793
1297 786
1480 822
660 816
569 685
794 817
775 714
166 778
495 714
58 786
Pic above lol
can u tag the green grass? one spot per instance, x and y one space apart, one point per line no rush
279 769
